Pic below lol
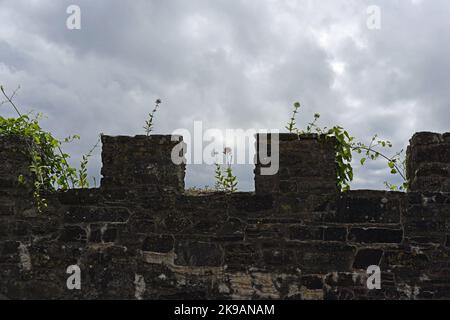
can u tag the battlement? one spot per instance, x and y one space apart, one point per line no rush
306 164
429 162
296 237
143 163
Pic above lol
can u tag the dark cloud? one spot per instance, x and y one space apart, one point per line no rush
231 64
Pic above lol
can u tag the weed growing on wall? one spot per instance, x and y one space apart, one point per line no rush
226 181
83 181
292 124
346 145
151 116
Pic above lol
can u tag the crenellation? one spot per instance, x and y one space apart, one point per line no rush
142 163
306 165
428 162
296 237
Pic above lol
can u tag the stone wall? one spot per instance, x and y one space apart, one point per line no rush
139 236
429 162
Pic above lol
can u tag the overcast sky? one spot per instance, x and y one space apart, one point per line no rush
230 64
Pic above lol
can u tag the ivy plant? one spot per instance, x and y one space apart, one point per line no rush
49 164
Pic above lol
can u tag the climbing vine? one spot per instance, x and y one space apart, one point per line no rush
83 181
49 164
347 145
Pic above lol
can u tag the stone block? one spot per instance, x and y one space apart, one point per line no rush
375 235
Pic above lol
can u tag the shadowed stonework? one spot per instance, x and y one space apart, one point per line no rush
296 237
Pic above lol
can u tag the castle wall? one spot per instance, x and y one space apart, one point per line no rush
139 236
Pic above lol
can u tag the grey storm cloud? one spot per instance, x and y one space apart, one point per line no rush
230 64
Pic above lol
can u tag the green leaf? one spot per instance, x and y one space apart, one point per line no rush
21 179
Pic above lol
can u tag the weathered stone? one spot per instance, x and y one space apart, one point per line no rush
278 257
109 235
428 162
375 235
425 138
310 160
335 234
10 247
345 279
158 243
312 282
306 233
198 254
243 203
6 209
142 161
408 264
369 207
73 234
240 256
80 196
95 234
322 257
367 257
96 214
